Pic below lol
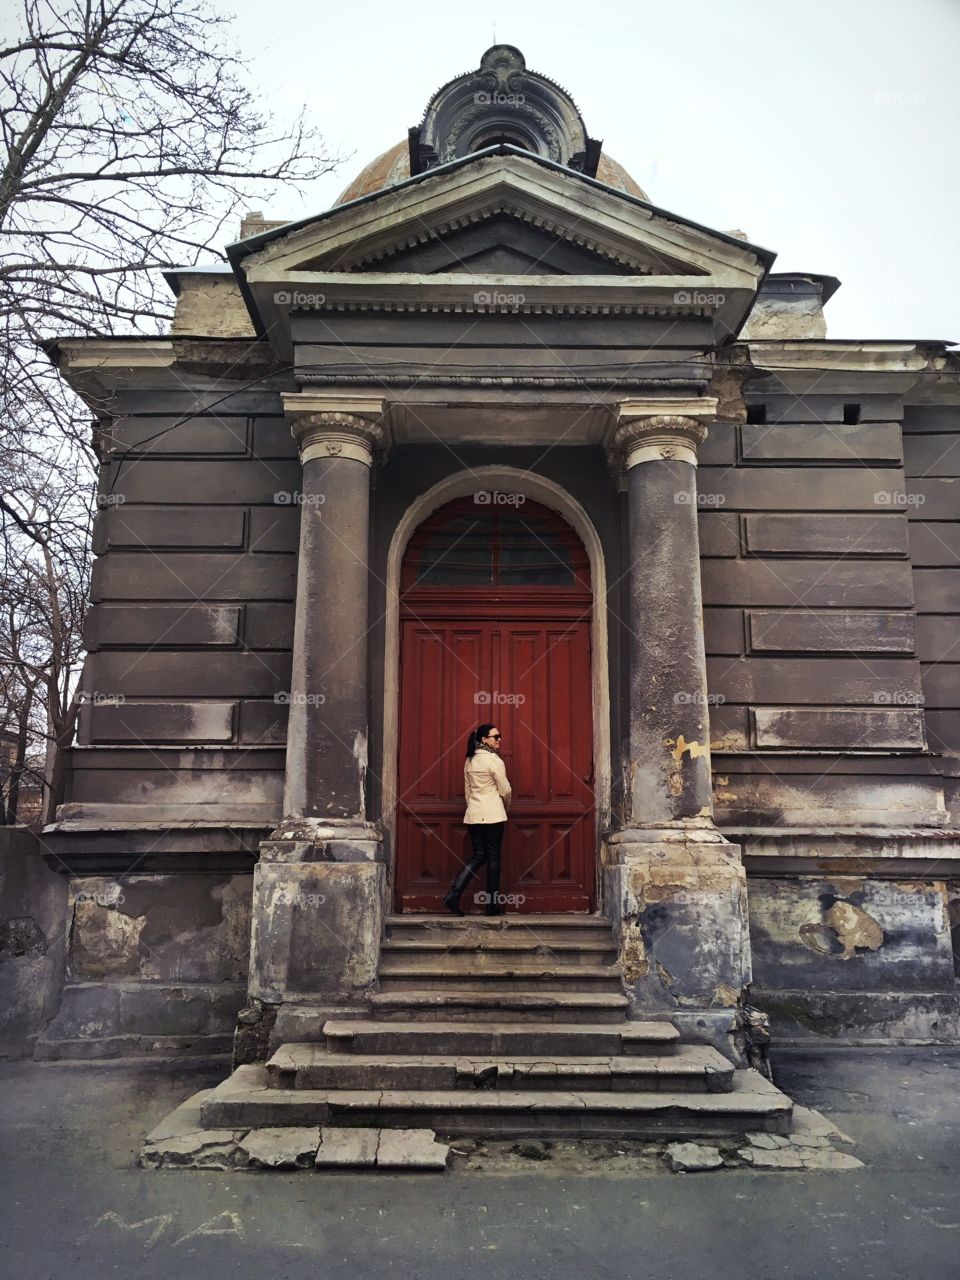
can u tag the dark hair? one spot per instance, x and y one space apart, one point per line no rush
476 737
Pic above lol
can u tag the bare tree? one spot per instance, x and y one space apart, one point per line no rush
131 135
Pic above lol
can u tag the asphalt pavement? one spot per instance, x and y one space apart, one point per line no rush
74 1200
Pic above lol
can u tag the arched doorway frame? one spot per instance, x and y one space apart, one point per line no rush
504 479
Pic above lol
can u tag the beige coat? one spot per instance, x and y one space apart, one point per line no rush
486 788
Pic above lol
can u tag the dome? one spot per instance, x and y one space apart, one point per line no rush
394 166
502 101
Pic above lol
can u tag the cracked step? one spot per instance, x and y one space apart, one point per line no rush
311 1066
498 1038
485 953
461 977
502 1006
538 929
246 1101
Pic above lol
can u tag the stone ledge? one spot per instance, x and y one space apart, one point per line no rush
181 1142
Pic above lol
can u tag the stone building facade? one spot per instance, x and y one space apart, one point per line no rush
496 437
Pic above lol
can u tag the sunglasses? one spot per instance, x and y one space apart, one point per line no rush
494 735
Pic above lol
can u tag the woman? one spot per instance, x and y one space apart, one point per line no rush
487 793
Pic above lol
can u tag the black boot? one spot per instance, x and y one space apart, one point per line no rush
452 899
493 907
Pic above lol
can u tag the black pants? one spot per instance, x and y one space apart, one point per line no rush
486 840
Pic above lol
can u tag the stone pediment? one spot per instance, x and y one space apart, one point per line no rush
500 223
505 237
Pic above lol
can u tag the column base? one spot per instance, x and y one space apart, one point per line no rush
702 830
323 840
679 909
318 894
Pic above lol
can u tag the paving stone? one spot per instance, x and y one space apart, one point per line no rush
830 1160
181 1121
771 1159
766 1141
205 1149
411 1149
289 1148
347 1148
179 1141
689 1157
809 1140
806 1120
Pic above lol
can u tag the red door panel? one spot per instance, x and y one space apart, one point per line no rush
517 654
550 838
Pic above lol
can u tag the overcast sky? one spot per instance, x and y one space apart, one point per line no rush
825 129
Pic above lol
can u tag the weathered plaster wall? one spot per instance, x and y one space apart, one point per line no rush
211 305
154 963
855 958
33 915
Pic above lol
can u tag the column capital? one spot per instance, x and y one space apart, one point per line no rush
327 427
652 430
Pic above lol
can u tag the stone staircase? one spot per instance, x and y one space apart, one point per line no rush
508 1026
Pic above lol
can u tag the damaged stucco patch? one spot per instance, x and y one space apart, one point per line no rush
682 747
843 930
634 963
678 748
104 940
665 976
854 928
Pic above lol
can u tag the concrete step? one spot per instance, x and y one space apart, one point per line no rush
541 929
693 1068
501 1006
457 976
497 1039
246 1101
494 952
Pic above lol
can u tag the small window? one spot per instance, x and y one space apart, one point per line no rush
851 414
497 542
756 413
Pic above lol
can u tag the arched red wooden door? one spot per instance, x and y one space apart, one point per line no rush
495 612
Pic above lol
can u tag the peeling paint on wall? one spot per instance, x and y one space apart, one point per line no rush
634 964
854 928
